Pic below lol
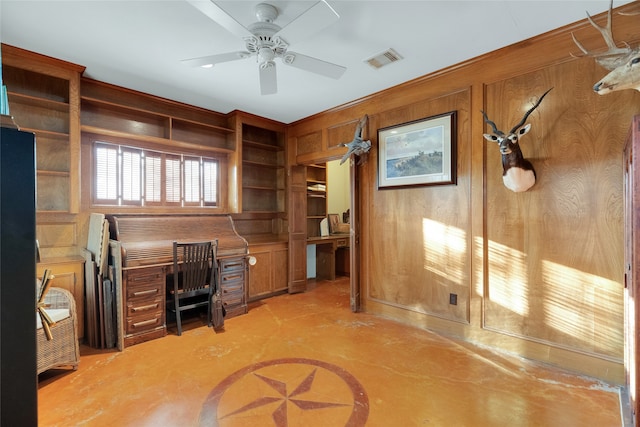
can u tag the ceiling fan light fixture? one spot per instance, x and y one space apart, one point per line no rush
266 54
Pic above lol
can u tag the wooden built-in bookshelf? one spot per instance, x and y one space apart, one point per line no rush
316 197
43 98
263 170
141 118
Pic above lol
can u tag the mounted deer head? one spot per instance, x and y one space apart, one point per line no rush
622 62
517 172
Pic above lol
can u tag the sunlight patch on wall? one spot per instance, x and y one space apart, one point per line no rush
581 305
630 330
508 278
445 250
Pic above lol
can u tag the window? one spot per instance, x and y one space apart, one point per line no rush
139 177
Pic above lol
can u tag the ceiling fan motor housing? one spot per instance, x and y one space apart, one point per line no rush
266 12
263 43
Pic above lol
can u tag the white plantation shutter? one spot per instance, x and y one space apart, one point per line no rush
153 177
172 179
210 179
132 176
106 179
191 181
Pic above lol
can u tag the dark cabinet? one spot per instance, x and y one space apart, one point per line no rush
18 378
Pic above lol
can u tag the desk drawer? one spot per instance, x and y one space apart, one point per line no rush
144 277
143 307
231 287
144 285
145 293
233 276
232 264
144 323
232 299
342 242
233 295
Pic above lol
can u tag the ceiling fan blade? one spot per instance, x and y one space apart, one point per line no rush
317 17
217 14
268 80
314 65
215 59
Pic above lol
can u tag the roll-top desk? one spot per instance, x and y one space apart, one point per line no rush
146 246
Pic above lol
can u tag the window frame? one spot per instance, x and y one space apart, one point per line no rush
152 150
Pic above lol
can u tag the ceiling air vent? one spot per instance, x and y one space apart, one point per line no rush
383 58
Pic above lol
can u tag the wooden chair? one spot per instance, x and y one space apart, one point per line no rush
194 266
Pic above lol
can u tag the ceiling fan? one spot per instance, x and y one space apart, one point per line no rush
267 41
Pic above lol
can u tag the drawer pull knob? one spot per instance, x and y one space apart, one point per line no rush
148 292
145 307
143 279
145 323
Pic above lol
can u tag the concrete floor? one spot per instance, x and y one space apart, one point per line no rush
306 360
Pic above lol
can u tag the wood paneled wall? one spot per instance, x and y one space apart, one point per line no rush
538 273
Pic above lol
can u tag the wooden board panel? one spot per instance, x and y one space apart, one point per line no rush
260 281
341 133
309 143
280 260
426 252
52 154
56 234
555 252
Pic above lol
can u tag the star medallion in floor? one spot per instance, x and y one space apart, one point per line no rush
287 392
305 360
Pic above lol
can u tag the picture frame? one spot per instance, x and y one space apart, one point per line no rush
420 152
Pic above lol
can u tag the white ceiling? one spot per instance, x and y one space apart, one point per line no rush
139 45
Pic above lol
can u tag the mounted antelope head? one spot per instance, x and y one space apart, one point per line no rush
517 172
622 62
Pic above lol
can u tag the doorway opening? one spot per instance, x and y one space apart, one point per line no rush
330 243
328 207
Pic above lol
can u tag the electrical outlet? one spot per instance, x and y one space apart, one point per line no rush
453 299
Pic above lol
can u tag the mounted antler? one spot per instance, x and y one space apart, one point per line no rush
517 172
623 62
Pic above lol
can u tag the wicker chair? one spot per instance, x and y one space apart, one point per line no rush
63 350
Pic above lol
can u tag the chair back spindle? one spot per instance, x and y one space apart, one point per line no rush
196 266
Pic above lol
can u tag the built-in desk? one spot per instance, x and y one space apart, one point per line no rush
326 248
144 246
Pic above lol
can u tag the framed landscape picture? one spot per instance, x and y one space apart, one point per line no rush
421 152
